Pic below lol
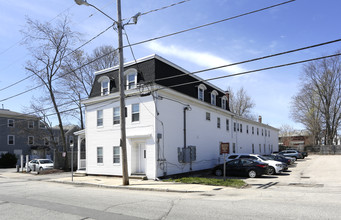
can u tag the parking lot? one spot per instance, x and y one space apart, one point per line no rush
317 171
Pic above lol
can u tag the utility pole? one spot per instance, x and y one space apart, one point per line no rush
122 97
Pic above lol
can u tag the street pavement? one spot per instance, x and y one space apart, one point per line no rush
310 190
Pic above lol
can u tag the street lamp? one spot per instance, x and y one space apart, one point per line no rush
121 82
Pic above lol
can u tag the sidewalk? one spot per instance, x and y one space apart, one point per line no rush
137 184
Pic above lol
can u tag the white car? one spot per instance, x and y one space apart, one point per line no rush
40 164
275 167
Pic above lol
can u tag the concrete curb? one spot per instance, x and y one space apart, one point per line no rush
124 187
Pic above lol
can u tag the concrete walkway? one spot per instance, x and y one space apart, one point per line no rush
137 184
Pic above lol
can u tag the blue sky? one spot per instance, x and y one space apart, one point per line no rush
290 26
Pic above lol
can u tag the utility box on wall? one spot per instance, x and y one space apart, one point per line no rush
187 155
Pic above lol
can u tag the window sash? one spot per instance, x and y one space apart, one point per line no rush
10 140
116 155
99 154
135 112
30 140
10 123
131 81
213 99
117 115
227 124
100 118
218 122
105 87
201 94
30 124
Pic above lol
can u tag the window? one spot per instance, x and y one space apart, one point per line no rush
99 117
135 112
116 153
253 148
218 122
131 75
56 140
208 116
105 85
227 125
257 131
10 140
269 133
214 97
241 128
253 130
264 148
99 154
42 125
116 115
234 147
262 132
234 126
260 148
247 129
224 102
10 123
30 140
237 126
46 141
201 92
30 124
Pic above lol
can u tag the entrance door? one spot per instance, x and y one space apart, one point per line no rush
141 158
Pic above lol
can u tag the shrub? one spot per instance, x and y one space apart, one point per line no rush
8 160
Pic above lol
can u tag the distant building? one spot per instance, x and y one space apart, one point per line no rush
298 138
23 134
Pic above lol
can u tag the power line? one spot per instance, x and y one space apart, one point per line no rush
252 60
165 7
13 84
168 35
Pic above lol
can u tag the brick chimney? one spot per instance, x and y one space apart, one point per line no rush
260 119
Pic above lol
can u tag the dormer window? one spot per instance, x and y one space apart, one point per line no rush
105 85
214 97
224 102
201 92
131 75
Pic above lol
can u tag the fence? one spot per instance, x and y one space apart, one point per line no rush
321 149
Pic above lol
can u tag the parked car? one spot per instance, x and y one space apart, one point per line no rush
246 167
280 158
304 153
274 166
40 164
291 153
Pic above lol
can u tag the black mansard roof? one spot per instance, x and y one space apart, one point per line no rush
155 69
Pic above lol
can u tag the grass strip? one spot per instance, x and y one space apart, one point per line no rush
237 183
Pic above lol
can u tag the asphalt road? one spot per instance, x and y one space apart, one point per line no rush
311 190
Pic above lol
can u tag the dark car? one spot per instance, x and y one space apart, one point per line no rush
242 167
279 158
304 153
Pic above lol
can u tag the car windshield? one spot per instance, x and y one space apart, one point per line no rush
46 161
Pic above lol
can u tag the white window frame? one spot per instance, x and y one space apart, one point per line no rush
99 118
28 140
105 85
131 84
10 123
13 137
214 97
117 117
224 102
201 92
99 156
117 156
30 123
134 112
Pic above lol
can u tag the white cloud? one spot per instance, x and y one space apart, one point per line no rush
202 59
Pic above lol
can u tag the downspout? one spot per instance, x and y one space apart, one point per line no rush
185 140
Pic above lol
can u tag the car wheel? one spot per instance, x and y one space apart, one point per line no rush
40 169
271 171
252 174
218 172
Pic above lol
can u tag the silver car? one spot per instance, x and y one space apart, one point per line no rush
40 164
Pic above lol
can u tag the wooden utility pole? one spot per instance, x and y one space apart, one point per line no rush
122 97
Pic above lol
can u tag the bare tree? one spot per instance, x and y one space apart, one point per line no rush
78 74
241 103
49 45
323 78
305 109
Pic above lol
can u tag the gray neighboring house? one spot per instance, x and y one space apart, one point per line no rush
23 134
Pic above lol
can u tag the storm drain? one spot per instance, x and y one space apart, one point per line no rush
305 177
